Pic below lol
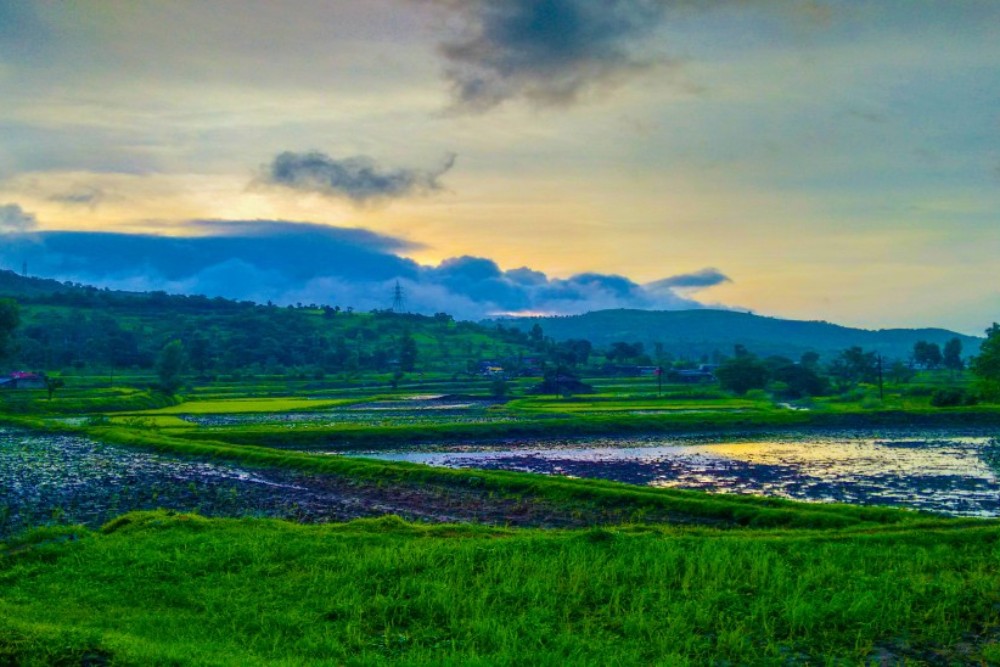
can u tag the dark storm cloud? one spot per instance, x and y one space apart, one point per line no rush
14 220
287 262
359 178
547 51
479 280
296 252
347 236
698 279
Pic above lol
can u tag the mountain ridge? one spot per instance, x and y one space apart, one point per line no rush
704 331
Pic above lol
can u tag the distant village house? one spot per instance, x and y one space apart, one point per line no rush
22 380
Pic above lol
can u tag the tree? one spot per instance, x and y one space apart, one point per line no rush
742 373
900 373
952 355
986 366
801 380
852 366
810 360
53 383
10 318
407 353
927 354
572 352
201 353
537 336
170 366
621 351
499 388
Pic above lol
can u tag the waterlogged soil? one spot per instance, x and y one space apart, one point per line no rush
924 470
64 479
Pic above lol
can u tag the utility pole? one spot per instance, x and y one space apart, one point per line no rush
659 380
881 393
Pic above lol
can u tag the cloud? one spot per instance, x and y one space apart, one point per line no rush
697 280
359 179
14 220
84 196
348 236
550 52
289 262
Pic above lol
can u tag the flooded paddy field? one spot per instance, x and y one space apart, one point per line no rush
67 479
935 471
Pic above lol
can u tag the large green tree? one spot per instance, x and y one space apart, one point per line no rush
952 355
986 365
852 366
170 366
742 373
927 354
10 318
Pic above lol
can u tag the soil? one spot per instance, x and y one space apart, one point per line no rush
61 479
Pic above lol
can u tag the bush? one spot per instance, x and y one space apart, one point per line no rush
919 390
870 402
852 396
952 397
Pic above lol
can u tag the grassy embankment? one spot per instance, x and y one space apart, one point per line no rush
530 417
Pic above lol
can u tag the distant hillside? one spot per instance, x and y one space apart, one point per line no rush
693 333
15 285
66 325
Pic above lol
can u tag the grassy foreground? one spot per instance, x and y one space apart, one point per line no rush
155 588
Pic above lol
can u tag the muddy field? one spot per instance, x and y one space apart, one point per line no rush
68 479
925 470
47 479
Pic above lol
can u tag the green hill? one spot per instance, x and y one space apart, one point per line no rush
68 325
694 333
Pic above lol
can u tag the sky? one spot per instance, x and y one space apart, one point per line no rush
813 159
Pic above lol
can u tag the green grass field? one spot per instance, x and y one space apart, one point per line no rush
159 589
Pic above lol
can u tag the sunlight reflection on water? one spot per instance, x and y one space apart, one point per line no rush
932 472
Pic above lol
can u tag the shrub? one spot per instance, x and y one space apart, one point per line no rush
952 397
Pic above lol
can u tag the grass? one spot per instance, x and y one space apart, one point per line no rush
76 400
333 436
247 405
228 592
612 403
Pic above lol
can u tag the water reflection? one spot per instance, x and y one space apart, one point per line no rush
931 472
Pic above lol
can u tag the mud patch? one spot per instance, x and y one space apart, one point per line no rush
60 479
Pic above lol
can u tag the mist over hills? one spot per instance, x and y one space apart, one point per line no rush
694 333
